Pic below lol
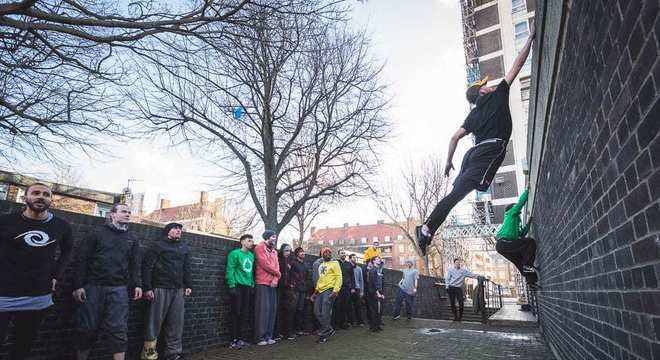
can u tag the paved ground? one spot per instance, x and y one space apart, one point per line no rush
416 339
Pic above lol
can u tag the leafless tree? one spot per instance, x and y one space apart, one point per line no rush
309 102
410 203
61 62
305 217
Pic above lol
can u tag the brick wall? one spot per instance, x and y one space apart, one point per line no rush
595 165
207 312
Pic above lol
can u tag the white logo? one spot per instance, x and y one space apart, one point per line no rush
247 265
36 238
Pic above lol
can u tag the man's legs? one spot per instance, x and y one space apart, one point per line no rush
323 308
357 306
410 305
174 322
461 302
397 303
442 209
272 304
26 326
115 319
529 251
90 314
156 313
342 307
262 316
299 316
452 301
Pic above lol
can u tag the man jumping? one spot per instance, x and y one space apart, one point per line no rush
490 122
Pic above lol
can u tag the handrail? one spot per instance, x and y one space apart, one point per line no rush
492 295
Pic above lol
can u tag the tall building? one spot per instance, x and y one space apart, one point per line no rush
204 216
493 33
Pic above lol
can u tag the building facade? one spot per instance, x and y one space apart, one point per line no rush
65 197
204 216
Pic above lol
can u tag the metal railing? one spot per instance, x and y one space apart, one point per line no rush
492 295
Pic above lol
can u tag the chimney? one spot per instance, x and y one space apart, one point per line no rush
345 225
204 198
312 230
380 222
164 203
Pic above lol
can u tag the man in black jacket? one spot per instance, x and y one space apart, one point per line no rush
28 270
342 306
298 278
166 278
108 265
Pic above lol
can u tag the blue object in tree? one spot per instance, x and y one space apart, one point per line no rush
238 112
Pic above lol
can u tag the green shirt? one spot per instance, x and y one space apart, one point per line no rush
240 268
511 229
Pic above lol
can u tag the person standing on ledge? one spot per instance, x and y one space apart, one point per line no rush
490 122
29 271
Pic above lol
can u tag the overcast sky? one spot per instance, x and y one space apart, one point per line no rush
420 43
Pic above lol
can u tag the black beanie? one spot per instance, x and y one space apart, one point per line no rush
267 234
170 226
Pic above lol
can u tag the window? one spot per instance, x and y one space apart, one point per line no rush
388 250
402 248
520 35
352 241
341 241
320 242
402 261
518 7
102 210
331 242
375 238
363 240
399 237
411 248
387 238
4 189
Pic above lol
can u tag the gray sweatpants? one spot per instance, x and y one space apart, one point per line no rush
265 310
323 312
105 307
166 311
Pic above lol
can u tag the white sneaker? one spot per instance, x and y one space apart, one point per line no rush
262 343
271 342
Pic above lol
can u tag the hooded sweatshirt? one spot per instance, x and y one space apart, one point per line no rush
109 256
511 229
167 266
240 268
329 276
267 270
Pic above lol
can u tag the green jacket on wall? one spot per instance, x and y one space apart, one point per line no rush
511 228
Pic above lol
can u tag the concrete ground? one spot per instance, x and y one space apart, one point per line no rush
402 339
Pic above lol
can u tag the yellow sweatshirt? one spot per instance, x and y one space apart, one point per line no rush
371 252
329 276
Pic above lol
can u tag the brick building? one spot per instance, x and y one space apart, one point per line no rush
65 197
395 247
594 154
204 216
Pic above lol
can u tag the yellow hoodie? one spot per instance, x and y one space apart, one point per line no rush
371 252
329 276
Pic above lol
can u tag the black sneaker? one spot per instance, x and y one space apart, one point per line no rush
422 240
322 340
528 269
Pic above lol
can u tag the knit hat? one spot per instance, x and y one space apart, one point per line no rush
325 250
267 234
170 226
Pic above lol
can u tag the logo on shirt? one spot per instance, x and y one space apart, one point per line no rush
36 238
247 265
322 269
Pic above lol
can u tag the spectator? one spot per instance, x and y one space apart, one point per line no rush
374 293
357 295
326 290
407 291
285 296
107 266
240 280
342 306
267 276
29 271
455 281
166 278
372 251
298 275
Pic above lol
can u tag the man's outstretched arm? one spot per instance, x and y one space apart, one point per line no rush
458 135
520 60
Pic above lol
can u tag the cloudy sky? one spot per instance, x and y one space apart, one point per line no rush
420 43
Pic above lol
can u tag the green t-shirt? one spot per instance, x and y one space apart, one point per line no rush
240 268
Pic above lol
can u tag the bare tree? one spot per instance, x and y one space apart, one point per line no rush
305 217
62 60
307 97
410 203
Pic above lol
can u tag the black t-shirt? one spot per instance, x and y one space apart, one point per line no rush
27 254
491 117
